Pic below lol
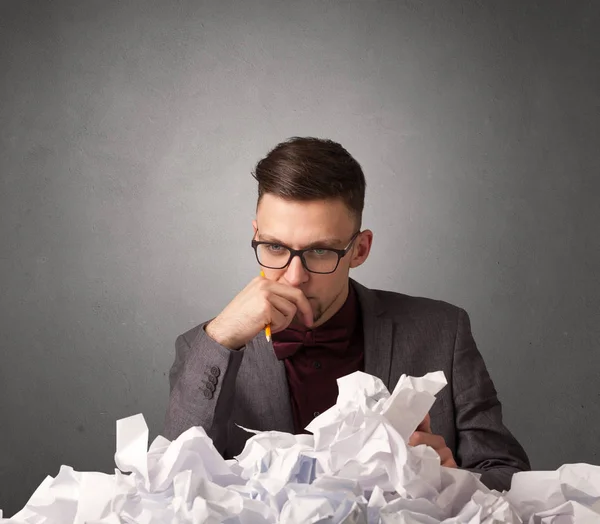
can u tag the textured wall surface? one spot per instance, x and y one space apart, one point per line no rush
128 133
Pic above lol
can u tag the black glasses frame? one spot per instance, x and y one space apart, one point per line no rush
341 253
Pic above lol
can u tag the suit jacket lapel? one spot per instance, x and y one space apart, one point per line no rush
378 334
266 372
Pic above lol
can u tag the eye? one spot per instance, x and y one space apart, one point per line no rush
319 252
275 248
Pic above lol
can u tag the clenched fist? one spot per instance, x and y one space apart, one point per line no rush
260 303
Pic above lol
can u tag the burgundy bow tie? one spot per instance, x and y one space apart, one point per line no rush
290 341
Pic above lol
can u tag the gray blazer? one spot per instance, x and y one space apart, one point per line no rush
216 388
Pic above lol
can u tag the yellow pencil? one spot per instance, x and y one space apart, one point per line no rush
268 326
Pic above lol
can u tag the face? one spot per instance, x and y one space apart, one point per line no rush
318 224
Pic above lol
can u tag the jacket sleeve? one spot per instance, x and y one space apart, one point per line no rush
202 387
484 444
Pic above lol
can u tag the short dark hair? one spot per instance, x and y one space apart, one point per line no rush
307 168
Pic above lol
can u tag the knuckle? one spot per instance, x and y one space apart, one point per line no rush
416 439
265 308
263 290
436 442
262 283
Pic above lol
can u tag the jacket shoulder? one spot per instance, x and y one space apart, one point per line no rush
400 305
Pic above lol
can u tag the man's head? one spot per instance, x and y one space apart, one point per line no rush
311 195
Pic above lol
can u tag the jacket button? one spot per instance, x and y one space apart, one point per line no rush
317 364
209 386
211 379
215 371
208 394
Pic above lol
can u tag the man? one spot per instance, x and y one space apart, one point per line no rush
307 237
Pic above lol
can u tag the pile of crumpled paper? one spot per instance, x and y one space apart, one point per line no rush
356 467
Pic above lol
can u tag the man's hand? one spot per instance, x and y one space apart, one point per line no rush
423 435
260 303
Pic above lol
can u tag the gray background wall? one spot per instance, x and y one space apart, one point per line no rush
128 132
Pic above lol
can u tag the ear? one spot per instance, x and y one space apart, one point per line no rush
362 248
255 226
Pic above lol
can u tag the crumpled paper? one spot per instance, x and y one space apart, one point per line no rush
569 494
355 468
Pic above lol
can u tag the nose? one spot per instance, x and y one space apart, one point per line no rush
295 274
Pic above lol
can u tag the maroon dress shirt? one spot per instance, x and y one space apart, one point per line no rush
315 358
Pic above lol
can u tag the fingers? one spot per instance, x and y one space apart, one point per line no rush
446 458
299 299
438 443
282 311
425 425
305 308
293 295
260 303
420 437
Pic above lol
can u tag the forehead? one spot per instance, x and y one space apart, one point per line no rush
304 222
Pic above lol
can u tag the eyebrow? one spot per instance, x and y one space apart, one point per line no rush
324 242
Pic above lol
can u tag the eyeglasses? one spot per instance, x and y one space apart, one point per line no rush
315 260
